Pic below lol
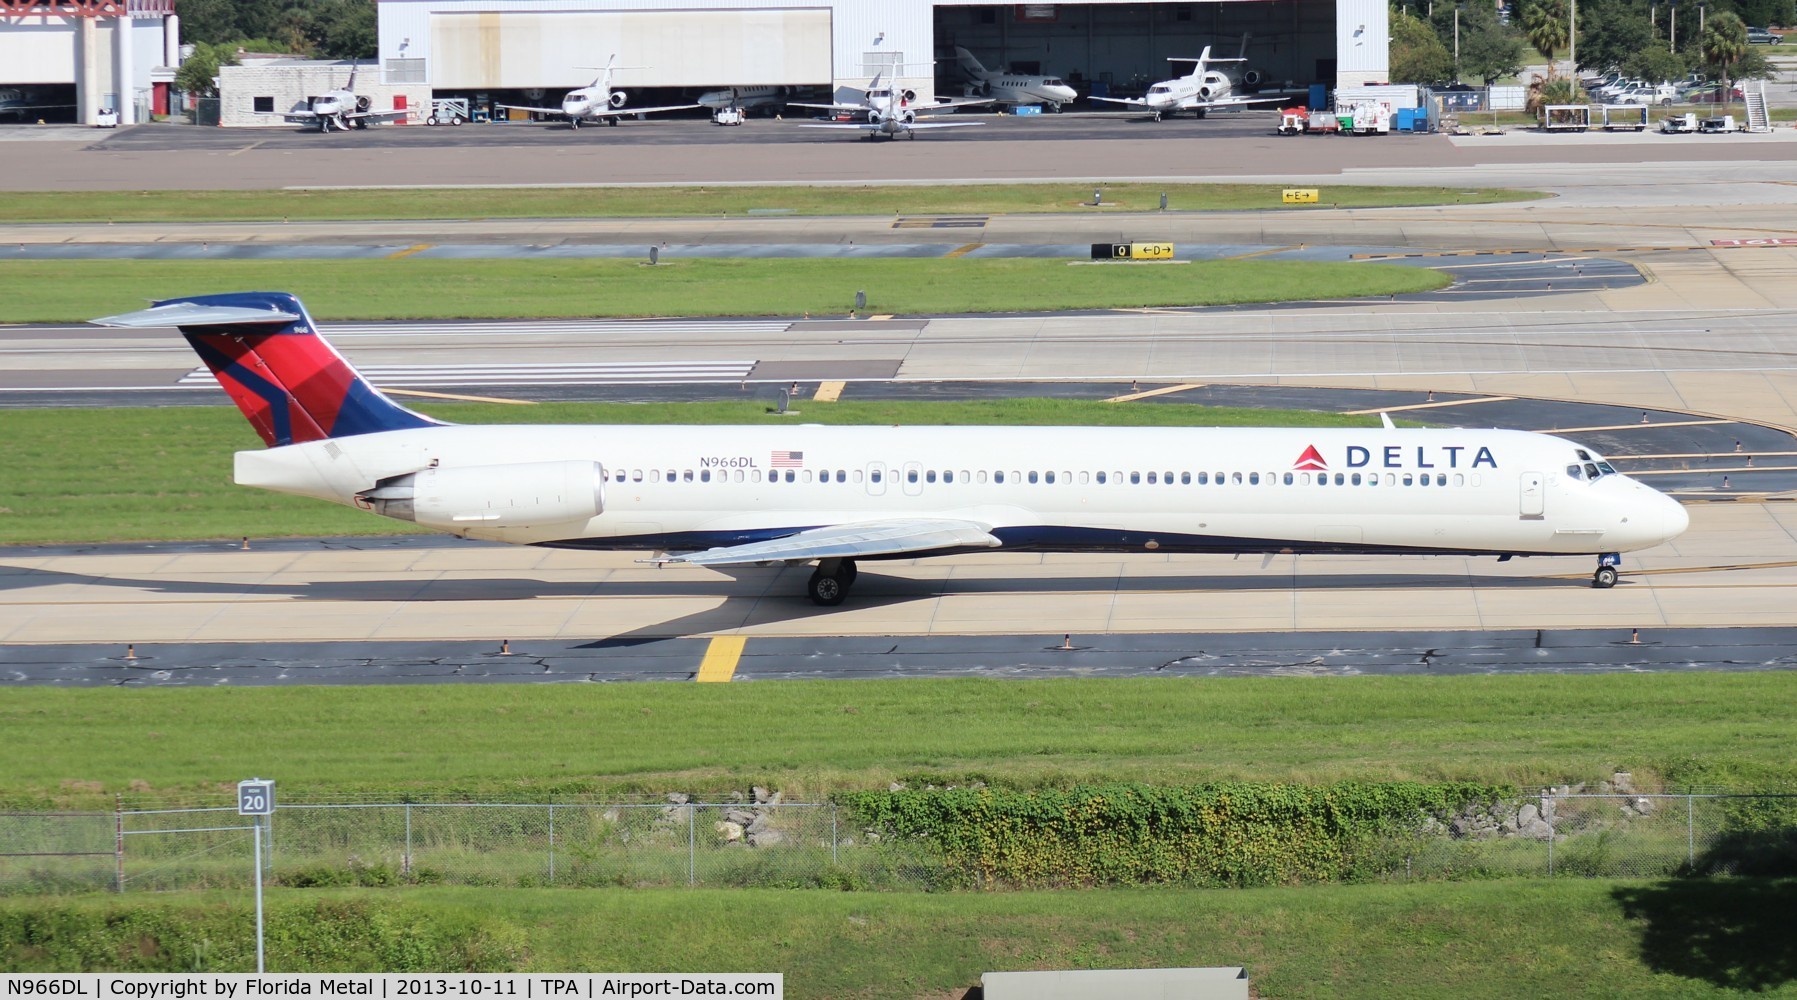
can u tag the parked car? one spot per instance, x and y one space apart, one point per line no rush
1711 93
1662 94
1761 36
1611 90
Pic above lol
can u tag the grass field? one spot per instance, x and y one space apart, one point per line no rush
165 473
673 202
412 288
525 742
1564 938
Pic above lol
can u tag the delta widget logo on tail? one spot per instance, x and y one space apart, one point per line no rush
1310 461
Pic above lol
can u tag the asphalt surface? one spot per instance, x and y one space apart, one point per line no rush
1223 654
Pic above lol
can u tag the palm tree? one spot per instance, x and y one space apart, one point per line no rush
1724 45
1544 25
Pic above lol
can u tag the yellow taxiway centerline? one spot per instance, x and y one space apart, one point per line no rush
719 664
1426 406
1162 391
460 398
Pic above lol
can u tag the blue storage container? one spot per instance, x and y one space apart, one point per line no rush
1028 109
1319 97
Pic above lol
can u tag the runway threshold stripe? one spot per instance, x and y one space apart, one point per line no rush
721 655
1427 406
1162 391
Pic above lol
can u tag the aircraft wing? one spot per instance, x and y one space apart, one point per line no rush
1136 102
615 112
849 541
377 114
828 107
541 111
1230 102
940 105
870 127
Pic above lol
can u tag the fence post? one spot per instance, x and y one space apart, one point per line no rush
118 843
406 859
833 858
1550 837
1690 831
551 843
692 847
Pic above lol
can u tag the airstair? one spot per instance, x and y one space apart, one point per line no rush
1758 118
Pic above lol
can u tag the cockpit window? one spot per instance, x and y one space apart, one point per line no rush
1052 82
1584 456
1607 469
1160 90
1591 470
1573 471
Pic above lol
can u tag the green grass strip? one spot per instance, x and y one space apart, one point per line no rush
413 288
677 202
528 742
140 474
1585 937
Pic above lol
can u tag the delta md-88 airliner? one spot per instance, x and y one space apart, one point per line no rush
736 496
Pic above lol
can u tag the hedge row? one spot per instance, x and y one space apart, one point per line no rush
320 936
1226 834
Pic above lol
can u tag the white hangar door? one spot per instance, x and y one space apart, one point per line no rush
676 48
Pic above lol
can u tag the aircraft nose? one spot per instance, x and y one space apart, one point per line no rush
1674 519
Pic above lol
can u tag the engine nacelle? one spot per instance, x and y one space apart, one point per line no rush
1254 78
875 118
910 96
907 116
618 97
1204 92
364 103
524 495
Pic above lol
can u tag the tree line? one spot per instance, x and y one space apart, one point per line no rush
1649 39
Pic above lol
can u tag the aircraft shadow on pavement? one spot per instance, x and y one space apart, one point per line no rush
772 584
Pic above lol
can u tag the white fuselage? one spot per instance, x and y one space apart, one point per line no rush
1187 92
1061 488
1006 88
745 98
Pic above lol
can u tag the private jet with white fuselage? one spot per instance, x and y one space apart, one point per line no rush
891 111
341 109
1203 90
1013 88
744 98
742 496
597 102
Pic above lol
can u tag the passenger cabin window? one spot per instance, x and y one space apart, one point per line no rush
874 475
1253 479
929 476
1032 476
999 477
910 475
1099 477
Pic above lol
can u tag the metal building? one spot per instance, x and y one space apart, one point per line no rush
462 47
67 60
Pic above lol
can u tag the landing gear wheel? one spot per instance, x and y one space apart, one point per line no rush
826 591
1604 578
1198 112
574 123
612 121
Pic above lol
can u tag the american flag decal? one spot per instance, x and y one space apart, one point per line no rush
787 460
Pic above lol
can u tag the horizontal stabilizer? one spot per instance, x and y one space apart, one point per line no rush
176 314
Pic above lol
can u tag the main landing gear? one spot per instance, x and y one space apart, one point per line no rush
830 582
1606 574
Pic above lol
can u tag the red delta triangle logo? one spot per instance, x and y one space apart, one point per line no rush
1310 461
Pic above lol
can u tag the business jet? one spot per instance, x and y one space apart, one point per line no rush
339 108
597 102
786 494
891 112
1013 88
1204 89
744 98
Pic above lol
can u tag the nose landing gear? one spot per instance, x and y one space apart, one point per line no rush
1605 576
830 582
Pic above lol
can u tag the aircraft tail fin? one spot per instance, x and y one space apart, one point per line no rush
353 67
267 355
969 64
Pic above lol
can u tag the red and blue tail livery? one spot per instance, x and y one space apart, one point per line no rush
267 354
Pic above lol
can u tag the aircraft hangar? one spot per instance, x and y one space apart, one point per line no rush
67 60
463 47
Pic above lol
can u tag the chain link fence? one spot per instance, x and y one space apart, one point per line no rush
795 845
